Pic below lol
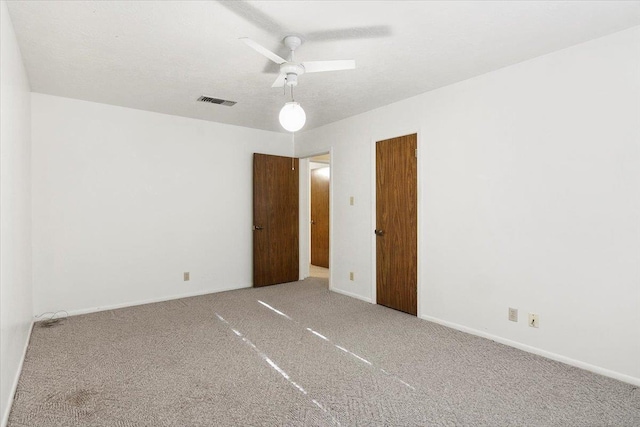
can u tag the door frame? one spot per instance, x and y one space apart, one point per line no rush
420 225
305 226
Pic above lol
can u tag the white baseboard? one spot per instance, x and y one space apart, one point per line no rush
152 300
554 356
14 387
350 294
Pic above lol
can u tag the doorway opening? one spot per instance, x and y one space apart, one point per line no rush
317 210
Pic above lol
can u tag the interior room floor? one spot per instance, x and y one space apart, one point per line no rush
317 271
296 354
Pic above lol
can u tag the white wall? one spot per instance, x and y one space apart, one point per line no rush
529 194
315 165
304 235
15 212
125 201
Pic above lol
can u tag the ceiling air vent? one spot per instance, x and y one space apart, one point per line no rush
218 101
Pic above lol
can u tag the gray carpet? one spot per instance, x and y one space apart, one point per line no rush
228 360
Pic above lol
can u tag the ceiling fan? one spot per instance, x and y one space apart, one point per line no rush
292 116
290 69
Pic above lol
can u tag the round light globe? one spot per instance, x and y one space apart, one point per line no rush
292 116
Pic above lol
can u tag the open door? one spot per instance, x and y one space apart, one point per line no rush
320 217
275 220
397 223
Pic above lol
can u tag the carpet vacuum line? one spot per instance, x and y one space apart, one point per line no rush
324 338
277 368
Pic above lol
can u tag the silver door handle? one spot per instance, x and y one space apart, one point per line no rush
257 228
379 232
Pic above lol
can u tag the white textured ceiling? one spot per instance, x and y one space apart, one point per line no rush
162 55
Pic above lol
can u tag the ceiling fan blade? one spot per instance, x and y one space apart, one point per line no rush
247 11
319 66
279 81
375 31
254 15
263 50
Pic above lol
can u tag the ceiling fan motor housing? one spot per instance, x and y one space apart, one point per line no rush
292 70
291 80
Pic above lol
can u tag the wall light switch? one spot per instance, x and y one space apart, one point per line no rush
351 275
352 200
513 314
534 321
186 276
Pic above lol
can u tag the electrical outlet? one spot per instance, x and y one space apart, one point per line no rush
534 321
352 200
513 314
351 275
186 276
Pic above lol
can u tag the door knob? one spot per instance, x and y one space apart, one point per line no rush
257 228
379 232
312 222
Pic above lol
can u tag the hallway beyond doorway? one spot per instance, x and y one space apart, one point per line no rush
315 271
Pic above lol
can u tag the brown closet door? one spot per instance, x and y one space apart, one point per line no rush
275 220
396 223
320 217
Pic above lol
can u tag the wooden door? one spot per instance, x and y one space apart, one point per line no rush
320 217
396 223
275 220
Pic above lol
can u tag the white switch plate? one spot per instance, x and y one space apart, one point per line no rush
534 321
513 314
186 276
352 200
351 275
